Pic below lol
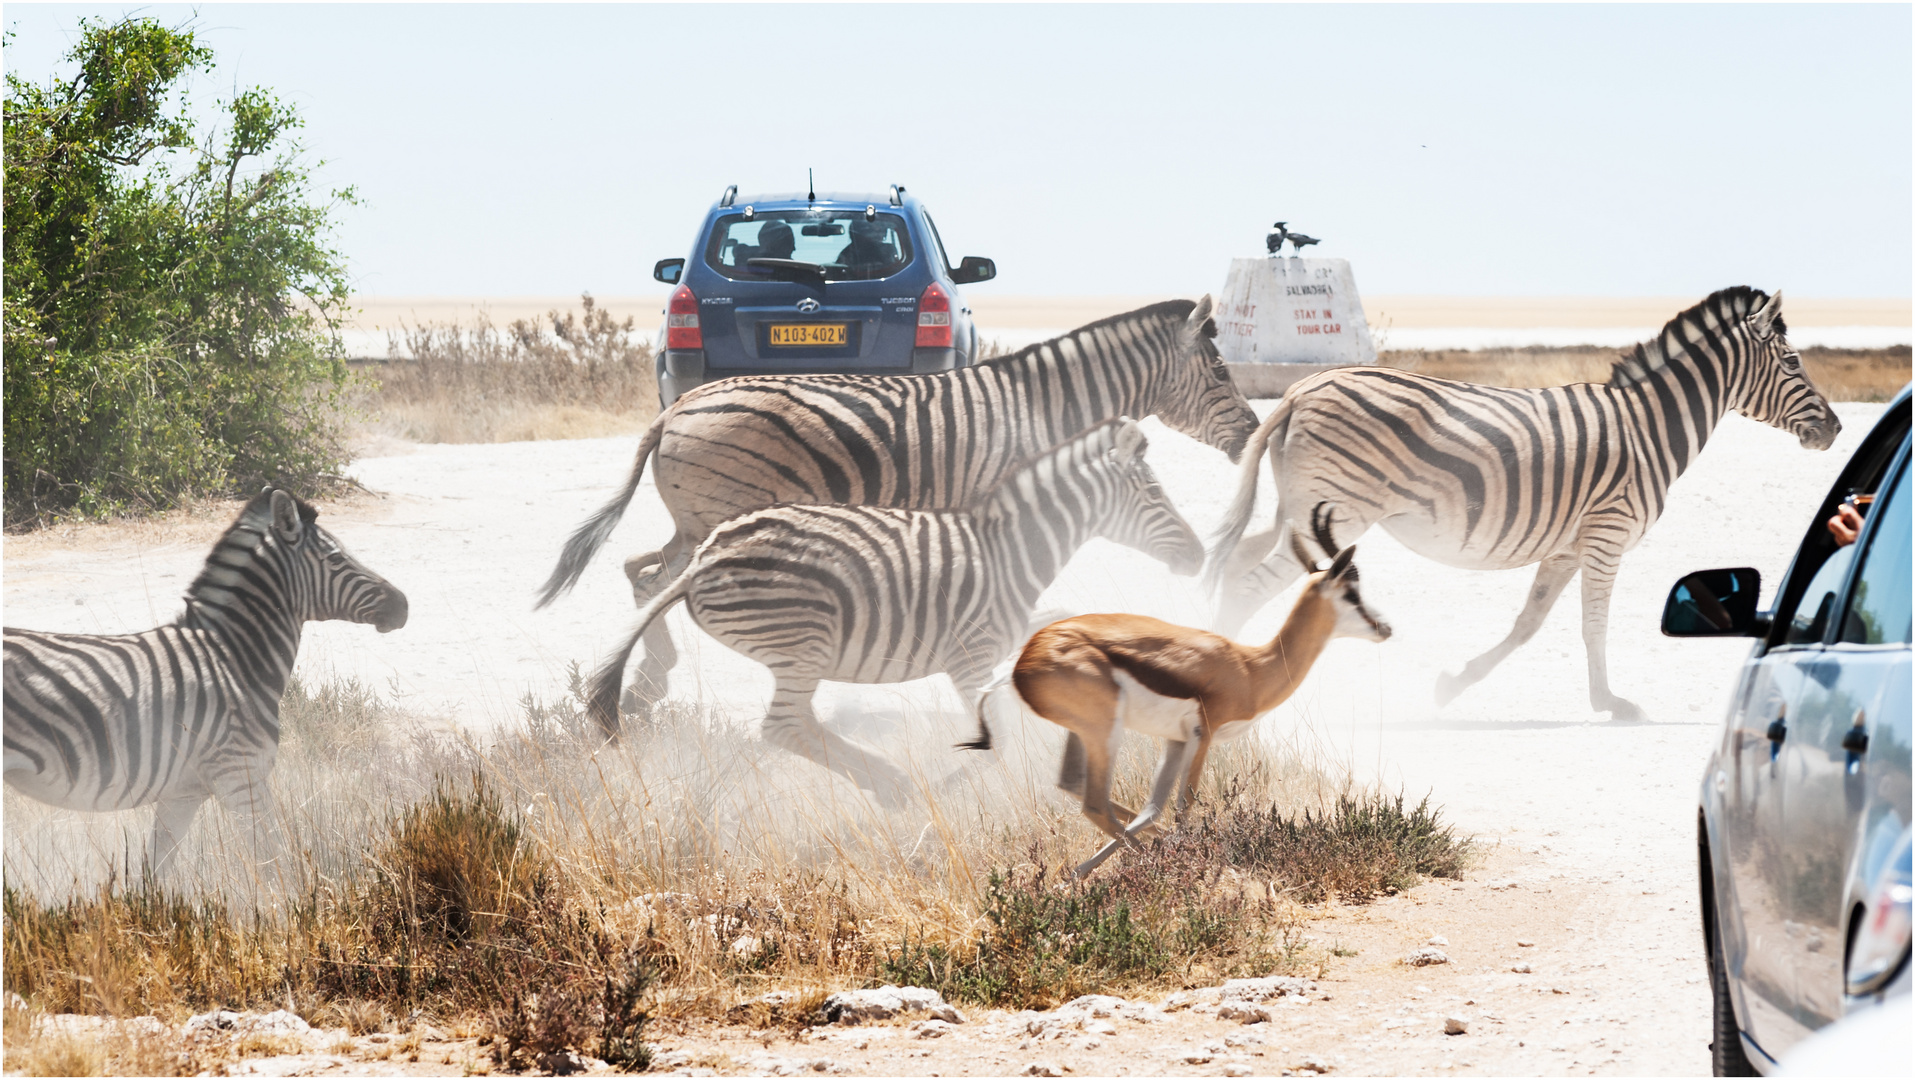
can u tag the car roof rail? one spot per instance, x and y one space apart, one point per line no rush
897 194
730 196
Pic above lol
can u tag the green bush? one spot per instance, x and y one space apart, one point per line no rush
170 299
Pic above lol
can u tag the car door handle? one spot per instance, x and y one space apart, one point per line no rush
1856 741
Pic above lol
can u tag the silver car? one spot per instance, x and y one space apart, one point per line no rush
1803 824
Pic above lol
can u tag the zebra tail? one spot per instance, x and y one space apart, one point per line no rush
1237 517
983 739
609 682
595 530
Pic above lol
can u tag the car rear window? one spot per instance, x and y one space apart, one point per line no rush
848 247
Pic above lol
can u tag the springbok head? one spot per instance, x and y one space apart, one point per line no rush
1332 590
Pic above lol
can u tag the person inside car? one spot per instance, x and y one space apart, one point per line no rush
775 241
867 250
1818 600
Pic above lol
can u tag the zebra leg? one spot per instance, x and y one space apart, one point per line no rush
792 725
1253 576
1599 579
650 572
1552 574
171 818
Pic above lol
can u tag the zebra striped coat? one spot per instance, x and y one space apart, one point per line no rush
188 710
878 594
1493 478
924 442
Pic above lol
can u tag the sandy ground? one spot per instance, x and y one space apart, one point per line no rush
1593 820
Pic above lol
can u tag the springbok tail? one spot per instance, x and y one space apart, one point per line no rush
595 530
609 682
1224 541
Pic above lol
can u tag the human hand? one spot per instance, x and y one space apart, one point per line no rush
1846 524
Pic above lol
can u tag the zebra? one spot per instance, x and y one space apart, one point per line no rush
188 710
1489 478
918 442
871 594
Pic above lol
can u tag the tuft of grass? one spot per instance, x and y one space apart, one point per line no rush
567 376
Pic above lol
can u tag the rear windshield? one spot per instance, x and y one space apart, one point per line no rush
848 247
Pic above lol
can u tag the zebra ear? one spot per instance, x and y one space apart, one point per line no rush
1200 324
286 518
1131 442
1764 318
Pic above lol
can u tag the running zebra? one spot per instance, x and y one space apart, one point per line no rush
919 442
872 594
1487 478
189 710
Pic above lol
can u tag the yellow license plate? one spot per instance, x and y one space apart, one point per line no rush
809 334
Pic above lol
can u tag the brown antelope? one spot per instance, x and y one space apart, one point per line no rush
1097 675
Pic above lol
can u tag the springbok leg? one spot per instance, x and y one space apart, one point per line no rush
1176 761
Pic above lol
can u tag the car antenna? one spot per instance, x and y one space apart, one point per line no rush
811 187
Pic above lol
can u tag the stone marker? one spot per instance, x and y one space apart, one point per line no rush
1302 314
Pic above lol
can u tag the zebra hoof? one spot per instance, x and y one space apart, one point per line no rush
1448 687
1623 710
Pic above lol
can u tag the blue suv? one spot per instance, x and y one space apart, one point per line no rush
808 283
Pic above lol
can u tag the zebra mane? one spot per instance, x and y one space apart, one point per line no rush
1177 309
254 520
984 497
1720 310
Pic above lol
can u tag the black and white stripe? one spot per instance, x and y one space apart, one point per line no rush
926 442
1492 478
189 710
879 594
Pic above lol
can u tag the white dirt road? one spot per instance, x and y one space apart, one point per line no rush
1598 811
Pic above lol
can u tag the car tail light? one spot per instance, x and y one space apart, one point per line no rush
934 318
1881 942
681 321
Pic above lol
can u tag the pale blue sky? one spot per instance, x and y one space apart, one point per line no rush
1488 150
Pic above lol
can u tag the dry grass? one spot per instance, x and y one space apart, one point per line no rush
553 893
1841 374
567 376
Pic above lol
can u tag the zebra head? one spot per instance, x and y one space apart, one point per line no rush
1137 513
1774 388
323 581
1198 398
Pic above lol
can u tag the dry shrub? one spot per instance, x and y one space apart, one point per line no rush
567 376
1841 374
552 892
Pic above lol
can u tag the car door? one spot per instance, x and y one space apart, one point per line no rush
1860 670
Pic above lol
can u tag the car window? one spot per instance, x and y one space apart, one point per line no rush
1811 620
847 246
1878 612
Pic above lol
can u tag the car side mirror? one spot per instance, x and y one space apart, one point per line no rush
1715 603
972 270
668 270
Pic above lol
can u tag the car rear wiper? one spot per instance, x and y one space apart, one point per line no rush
789 269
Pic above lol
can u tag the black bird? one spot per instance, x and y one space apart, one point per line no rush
1298 241
1274 242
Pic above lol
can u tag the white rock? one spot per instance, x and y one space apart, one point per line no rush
746 947
930 1029
1438 939
1272 986
857 1006
1042 1068
1456 1025
1244 1012
1426 956
1525 944
1521 969
1314 1064
1197 1057
217 1020
1237 1068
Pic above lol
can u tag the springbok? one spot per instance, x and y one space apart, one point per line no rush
1096 675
